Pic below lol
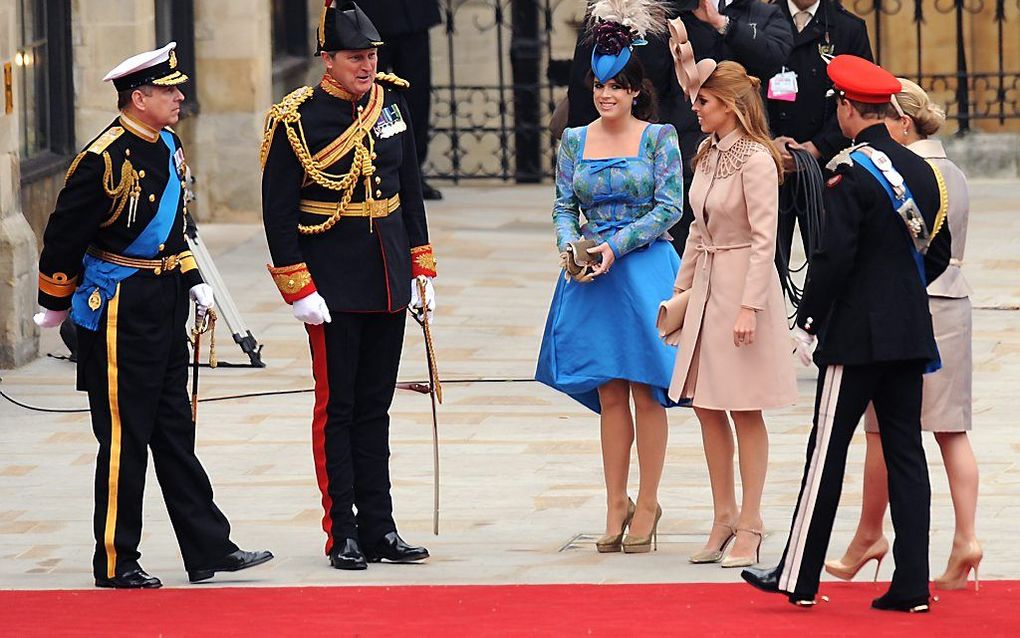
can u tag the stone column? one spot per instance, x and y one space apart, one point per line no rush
19 338
103 33
233 44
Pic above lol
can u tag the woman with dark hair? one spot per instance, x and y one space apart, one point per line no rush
601 346
734 359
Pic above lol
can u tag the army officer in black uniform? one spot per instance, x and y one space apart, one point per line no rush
115 257
345 221
884 240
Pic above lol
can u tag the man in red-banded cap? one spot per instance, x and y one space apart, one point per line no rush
865 302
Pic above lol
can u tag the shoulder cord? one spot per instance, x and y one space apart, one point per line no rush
128 189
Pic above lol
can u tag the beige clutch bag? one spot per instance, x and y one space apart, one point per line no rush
671 317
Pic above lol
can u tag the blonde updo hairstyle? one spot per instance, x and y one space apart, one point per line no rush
742 94
928 117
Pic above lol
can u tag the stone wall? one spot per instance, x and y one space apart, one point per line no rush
19 338
234 50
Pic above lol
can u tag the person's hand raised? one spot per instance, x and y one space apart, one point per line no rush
708 12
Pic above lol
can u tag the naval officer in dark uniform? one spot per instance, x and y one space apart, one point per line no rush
884 240
114 257
821 30
345 222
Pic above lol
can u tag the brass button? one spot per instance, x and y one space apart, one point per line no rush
378 194
152 198
374 155
184 184
290 283
127 152
161 247
141 173
378 180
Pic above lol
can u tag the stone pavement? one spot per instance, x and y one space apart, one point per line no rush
521 474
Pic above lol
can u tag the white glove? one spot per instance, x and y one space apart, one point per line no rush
49 318
430 297
804 343
202 295
312 310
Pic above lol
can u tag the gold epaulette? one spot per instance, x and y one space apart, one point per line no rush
98 146
286 111
843 157
392 80
105 139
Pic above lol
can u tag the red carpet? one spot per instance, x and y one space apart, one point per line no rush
597 610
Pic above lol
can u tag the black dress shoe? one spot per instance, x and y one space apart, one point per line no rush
232 562
348 556
393 548
428 192
913 605
767 580
134 579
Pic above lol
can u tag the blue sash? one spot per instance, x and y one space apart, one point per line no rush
869 165
102 276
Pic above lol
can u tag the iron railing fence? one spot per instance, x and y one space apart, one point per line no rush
501 81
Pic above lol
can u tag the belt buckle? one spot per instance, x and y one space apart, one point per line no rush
378 208
166 264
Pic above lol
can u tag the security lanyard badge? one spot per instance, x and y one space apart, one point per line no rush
783 86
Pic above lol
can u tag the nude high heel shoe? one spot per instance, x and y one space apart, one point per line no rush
847 571
745 561
958 570
609 543
644 544
713 555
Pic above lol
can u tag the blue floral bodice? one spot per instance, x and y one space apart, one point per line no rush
626 201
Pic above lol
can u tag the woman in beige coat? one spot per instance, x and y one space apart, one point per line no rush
946 398
734 346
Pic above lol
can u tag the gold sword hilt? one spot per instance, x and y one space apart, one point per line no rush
430 349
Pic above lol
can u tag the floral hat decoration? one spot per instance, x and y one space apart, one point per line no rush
616 27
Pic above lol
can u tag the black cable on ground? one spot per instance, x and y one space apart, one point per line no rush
267 393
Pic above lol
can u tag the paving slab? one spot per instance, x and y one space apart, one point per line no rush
522 495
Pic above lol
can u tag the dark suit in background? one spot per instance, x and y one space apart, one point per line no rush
812 117
404 26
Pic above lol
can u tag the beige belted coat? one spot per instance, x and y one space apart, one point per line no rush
729 262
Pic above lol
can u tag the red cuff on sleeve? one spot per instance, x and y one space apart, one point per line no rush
294 282
423 262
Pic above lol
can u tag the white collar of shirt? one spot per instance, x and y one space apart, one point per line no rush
813 9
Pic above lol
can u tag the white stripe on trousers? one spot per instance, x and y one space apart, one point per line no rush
806 504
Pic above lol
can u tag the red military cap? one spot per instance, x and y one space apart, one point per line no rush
862 81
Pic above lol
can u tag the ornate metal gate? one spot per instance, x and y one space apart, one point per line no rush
503 65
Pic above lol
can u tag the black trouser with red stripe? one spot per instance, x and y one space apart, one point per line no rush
843 393
354 361
135 370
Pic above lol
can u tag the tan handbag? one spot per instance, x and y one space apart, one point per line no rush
670 320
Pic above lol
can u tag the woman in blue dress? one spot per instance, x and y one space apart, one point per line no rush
601 346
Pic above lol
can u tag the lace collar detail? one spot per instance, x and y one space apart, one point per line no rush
731 153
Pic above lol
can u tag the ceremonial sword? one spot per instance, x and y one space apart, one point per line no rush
435 394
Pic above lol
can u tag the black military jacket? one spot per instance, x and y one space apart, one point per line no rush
94 207
359 264
401 17
863 296
812 117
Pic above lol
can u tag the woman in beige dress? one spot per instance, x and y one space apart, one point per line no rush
946 403
735 348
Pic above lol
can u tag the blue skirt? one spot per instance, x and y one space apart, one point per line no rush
605 330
